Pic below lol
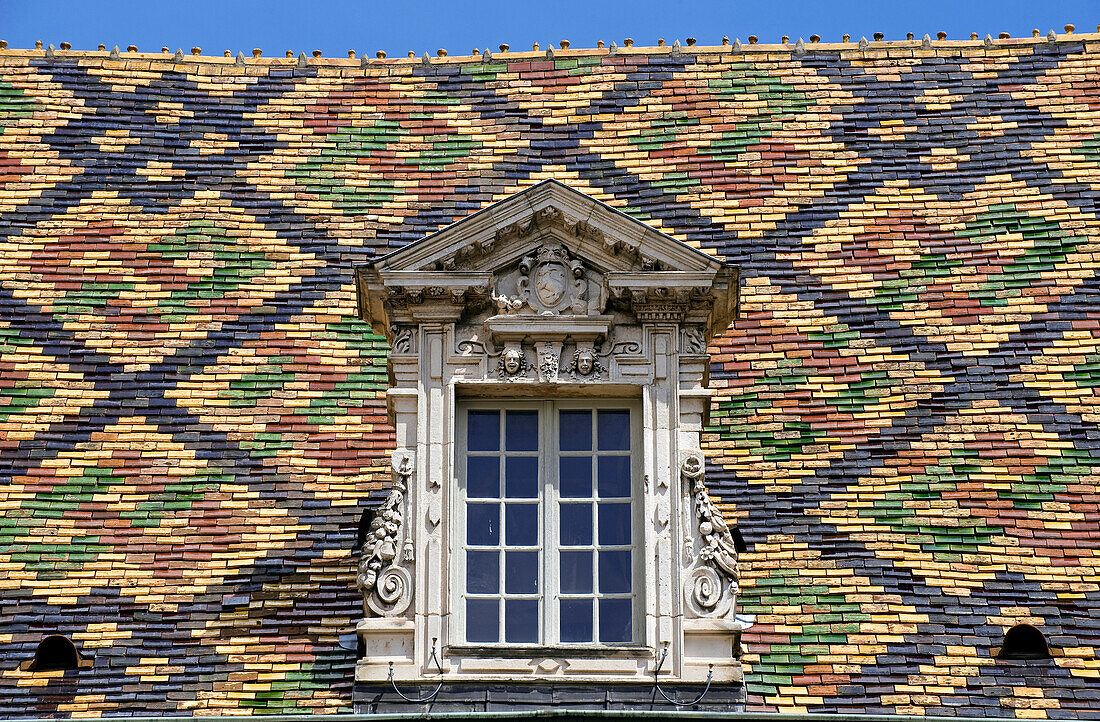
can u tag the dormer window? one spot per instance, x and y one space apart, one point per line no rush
548 507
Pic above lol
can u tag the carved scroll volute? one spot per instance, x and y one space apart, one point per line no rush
711 587
383 576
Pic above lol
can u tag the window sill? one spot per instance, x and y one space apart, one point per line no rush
515 651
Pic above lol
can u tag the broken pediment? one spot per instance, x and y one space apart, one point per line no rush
553 257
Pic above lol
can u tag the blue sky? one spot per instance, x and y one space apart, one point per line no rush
397 26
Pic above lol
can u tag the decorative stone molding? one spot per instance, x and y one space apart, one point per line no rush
383 578
550 295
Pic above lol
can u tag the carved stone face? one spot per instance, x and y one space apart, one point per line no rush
513 360
586 362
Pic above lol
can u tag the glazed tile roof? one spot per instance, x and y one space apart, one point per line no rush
907 419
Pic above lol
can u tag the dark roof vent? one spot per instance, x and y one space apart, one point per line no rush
364 528
55 652
738 540
1024 642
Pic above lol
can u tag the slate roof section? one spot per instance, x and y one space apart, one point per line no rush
906 426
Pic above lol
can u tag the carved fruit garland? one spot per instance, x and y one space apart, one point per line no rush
385 583
706 586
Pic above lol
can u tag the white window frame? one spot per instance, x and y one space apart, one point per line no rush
549 519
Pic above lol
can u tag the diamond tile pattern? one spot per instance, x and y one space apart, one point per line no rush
906 425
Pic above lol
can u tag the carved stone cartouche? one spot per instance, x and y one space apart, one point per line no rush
552 281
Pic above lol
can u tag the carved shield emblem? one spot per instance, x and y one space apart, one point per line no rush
551 284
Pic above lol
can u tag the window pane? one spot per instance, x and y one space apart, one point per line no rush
521 620
615 572
614 474
482 572
521 477
576 620
522 528
613 430
575 476
483 524
483 431
576 573
522 431
614 523
576 524
521 572
483 477
616 621
575 429
482 620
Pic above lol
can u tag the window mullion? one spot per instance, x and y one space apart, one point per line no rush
594 460
550 525
502 467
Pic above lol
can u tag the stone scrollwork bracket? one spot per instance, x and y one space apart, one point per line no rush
383 576
404 339
711 587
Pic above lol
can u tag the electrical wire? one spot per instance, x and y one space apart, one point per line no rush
692 703
430 697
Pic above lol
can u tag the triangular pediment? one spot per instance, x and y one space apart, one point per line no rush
603 235
546 250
